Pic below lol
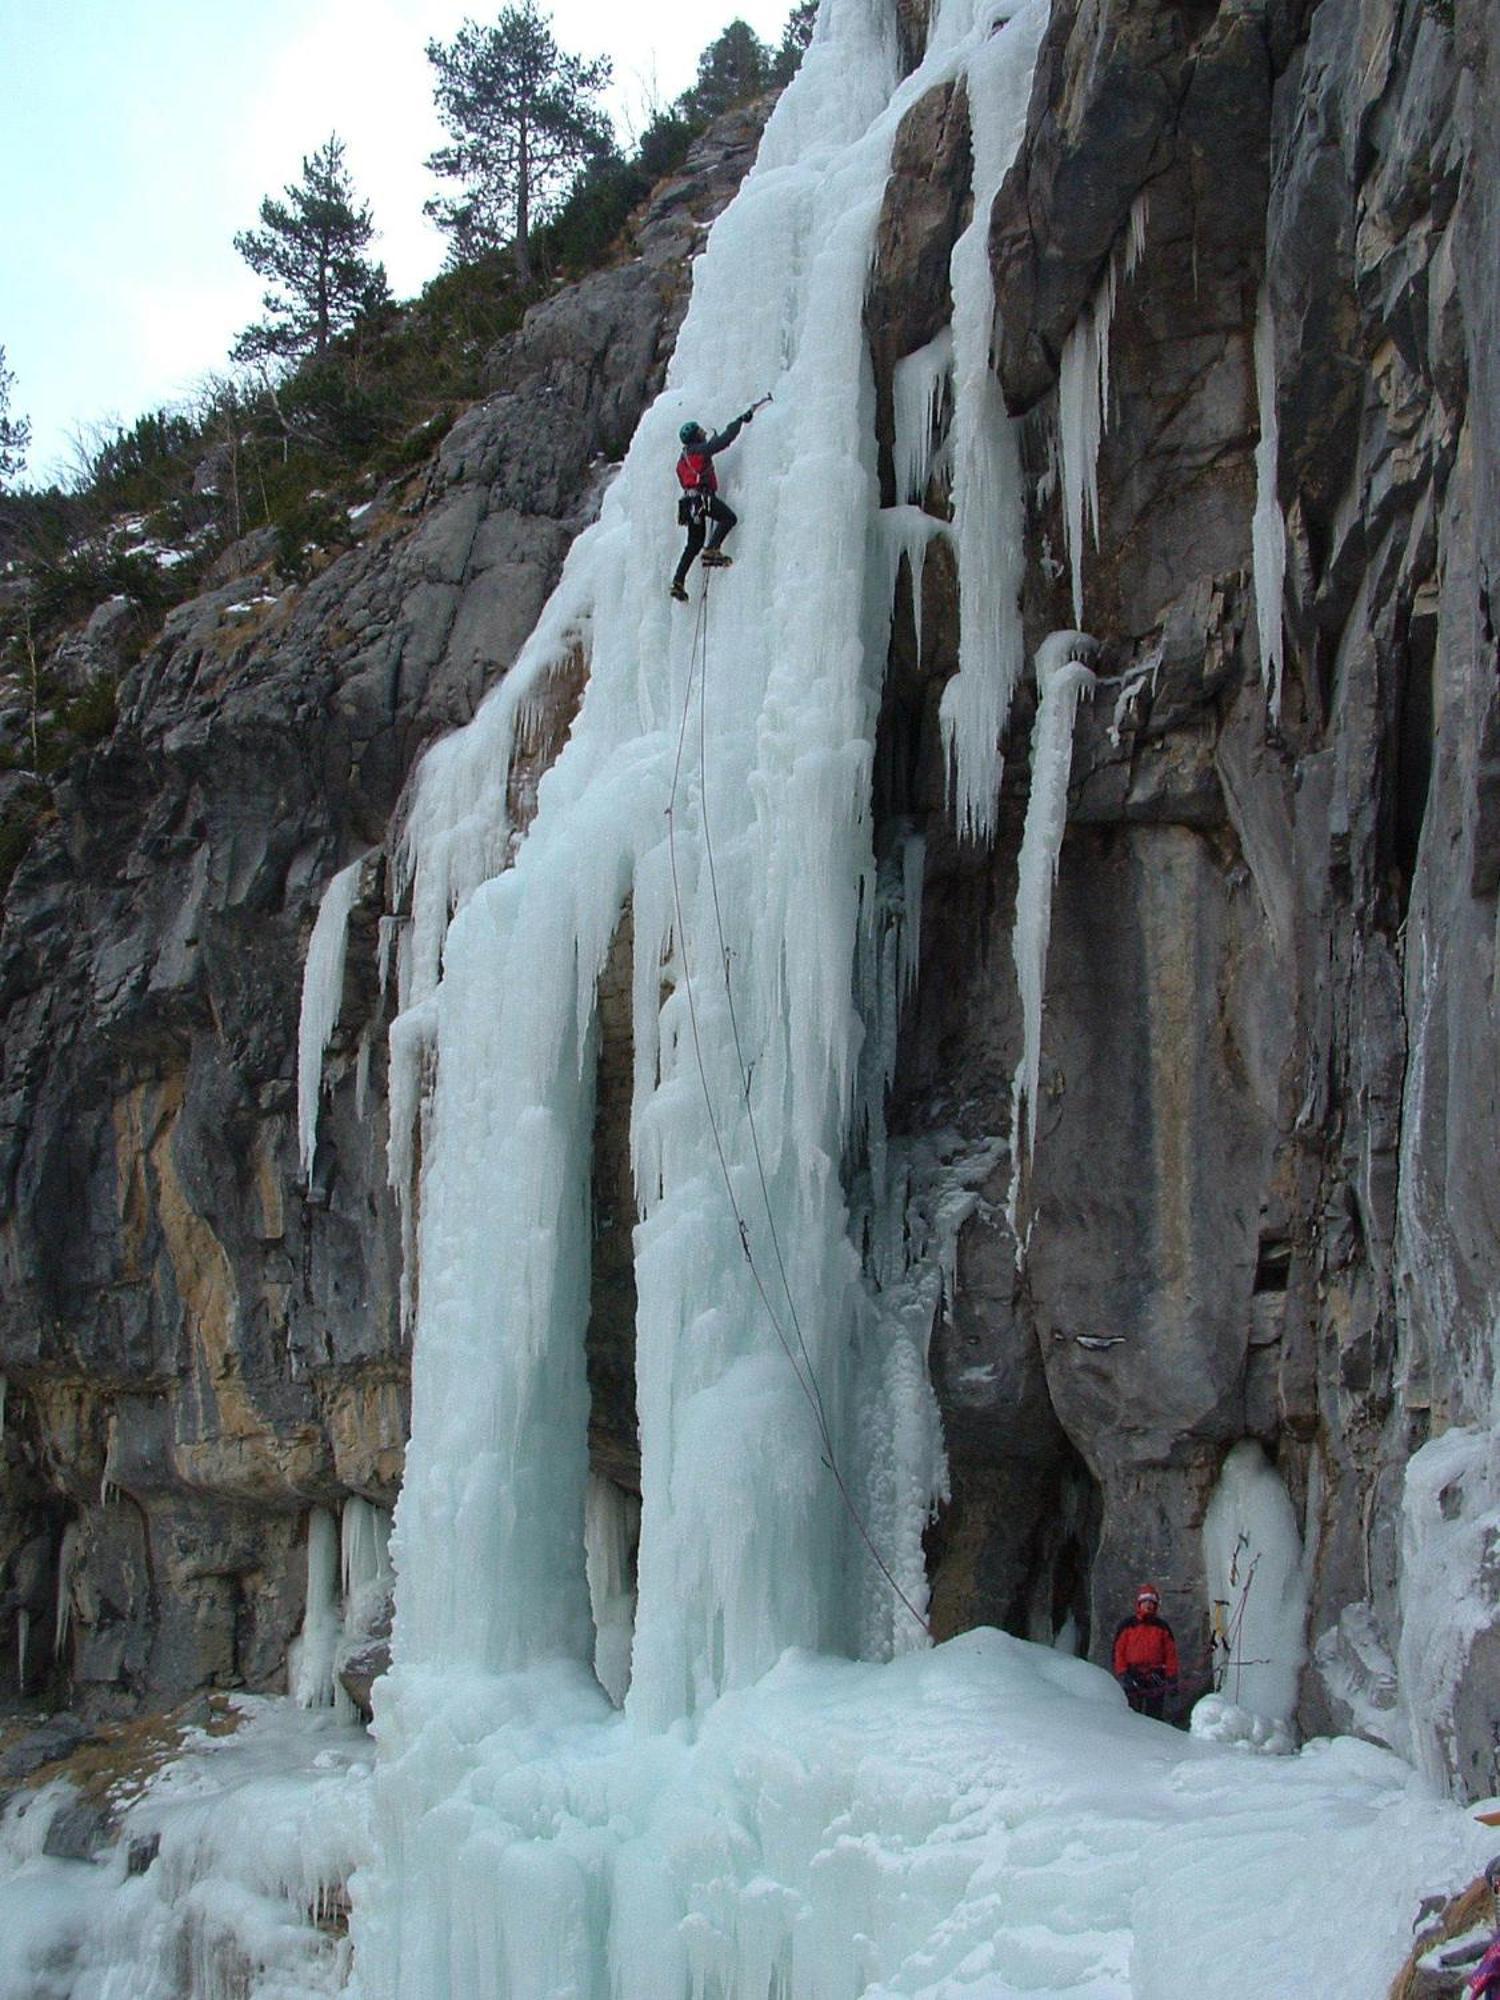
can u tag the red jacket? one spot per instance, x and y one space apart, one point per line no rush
695 472
695 468
1145 1646
1485 1978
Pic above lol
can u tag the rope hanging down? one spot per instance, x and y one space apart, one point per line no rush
802 1368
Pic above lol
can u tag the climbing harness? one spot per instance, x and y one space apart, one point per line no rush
803 1369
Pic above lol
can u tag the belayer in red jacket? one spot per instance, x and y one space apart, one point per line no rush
1145 1662
700 502
1484 1981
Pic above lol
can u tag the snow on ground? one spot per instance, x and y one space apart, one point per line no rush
239 1845
972 1823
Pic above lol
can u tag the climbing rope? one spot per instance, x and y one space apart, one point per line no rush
803 1369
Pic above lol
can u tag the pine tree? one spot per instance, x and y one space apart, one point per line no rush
735 67
795 37
522 120
15 432
311 248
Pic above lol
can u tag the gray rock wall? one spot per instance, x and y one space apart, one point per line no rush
199 1343
1262 1203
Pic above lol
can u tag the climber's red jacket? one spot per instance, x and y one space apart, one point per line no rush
1484 1981
695 472
695 468
1145 1646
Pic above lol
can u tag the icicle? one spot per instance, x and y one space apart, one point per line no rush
23 1635
919 385
322 991
107 1487
988 495
362 1078
1268 530
908 532
412 1036
1135 245
367 1580
1062 679
310 1662
387 934
1080 413
364 1548
1083 400
67 1557
913 868
611 1530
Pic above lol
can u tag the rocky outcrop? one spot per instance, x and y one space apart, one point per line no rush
1258 1205
200 1342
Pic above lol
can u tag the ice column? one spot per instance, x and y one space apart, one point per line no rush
1268 529
1062 679
752 715
1252 1556
322 990
988 499
311 1661
67 1562
611 1528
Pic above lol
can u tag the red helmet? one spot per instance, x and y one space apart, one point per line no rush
1149 1595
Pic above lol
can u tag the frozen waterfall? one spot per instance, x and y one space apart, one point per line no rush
760 1363
322 990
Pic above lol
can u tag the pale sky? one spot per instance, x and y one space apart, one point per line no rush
136 137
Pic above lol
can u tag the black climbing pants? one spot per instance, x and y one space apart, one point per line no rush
698 514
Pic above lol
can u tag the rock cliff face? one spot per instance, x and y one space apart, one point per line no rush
200 1342
1261 1202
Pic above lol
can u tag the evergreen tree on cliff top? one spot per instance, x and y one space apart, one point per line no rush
735 67
15 432
311 248
522 119
795 37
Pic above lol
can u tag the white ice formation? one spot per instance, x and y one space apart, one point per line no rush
310 1667
786 1421
1450 1528
322 991
988 500
1268 528
1063 677
1083 399
1252 1558
349 1583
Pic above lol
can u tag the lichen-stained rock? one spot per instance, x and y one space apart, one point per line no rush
926 206
1262 1198
199 1342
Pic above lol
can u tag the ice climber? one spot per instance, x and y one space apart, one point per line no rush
700 502
1484 1981
1145 1662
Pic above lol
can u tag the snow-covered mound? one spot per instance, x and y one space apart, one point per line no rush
971 1823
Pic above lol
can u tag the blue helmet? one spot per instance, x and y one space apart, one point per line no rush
690 433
